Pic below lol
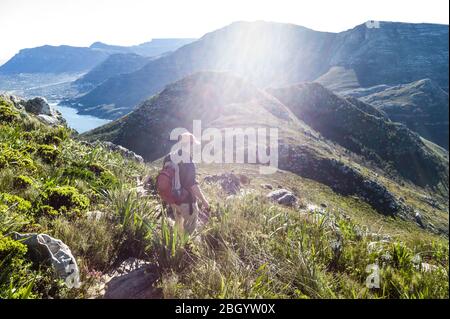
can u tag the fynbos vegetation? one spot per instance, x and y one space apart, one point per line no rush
93 200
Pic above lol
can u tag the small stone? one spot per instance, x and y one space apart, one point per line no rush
288 200
95 215
283 197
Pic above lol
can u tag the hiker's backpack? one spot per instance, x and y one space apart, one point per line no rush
164 185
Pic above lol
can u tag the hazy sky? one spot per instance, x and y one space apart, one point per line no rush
30 23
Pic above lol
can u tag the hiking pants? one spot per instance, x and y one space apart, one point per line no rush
183 219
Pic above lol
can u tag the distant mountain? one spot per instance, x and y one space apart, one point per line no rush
287 54
152 48
53 59
114 65
64 58
394 53
421 105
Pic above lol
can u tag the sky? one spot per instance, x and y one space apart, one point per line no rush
31 23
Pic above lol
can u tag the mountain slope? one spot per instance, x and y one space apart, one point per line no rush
288 54
222 101
152 48
114 65
375 138
53 59
394 53
422 106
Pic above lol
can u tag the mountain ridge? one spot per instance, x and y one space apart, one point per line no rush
287 54
66 58
222 100
421 105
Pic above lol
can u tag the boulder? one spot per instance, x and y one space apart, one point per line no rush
287 199
419 220
39 105
43 248
133 279
49 120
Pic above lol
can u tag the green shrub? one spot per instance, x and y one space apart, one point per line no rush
12 157
52 139
15 203
22 182
49 153
12 255
135 217
78 172
108 180
48 211
65 199
14 281
95 175
7 112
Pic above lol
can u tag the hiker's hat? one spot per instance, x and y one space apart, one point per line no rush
187 138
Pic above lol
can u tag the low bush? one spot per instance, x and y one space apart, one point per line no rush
65 199
7 113
23 182
49 153
15 203
10 157
14 280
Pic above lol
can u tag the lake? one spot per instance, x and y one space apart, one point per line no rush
79 122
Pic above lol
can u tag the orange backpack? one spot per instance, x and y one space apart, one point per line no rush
164 185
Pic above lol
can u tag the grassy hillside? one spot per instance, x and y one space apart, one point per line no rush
90 198
48 183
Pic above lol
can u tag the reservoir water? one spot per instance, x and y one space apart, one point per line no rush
81 123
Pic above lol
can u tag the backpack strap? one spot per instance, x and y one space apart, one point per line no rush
176 185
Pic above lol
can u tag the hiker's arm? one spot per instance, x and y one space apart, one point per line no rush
197 192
